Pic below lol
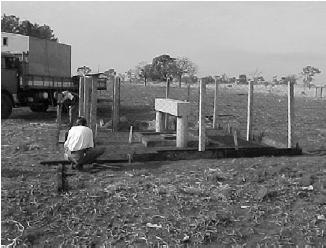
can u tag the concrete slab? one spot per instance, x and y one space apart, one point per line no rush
172 106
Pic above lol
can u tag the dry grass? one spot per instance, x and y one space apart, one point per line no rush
251 202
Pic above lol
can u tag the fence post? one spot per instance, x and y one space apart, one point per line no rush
81 96
116 104
59 109
290 113
86 99
188 92
166 116
93 109
249 111
202 126
215 105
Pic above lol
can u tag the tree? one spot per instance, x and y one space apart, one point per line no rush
11 24
308 73
184 66
164 67
144 71
208 80
84 70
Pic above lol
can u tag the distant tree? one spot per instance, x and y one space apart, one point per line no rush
11 24
164 67
243 79
110 72
308 73
208 80
224 78
184 66
84 70
291 79
144 71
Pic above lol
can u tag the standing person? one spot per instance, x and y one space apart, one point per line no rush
79 146
71 101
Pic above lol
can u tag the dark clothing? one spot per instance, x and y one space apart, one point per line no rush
73 107
85 156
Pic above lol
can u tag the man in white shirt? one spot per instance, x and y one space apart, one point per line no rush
79 146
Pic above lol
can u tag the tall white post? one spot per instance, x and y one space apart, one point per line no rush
202 126
249 112
215 105
290 114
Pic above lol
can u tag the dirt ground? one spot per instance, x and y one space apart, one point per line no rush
247 202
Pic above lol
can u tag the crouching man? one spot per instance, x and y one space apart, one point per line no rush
79 146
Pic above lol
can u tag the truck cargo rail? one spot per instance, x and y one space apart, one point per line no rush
60 83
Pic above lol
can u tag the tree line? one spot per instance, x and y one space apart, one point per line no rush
12 24
165 67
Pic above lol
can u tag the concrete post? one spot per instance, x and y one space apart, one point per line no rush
249 112
182 131
167 93
159 121
215 105
290 113
202 126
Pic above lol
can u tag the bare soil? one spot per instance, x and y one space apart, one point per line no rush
247 202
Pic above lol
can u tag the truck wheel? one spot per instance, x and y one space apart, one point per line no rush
39 107
6 106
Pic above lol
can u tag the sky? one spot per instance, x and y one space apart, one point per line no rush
274 38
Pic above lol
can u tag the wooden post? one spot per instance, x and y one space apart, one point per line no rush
202 126
159 121
130 135
62 185
93 109
81 96
188 92
249 112
86 99
59 110
316 91
321 92
290 113
215 105
235 138
116 103
182 131
167 92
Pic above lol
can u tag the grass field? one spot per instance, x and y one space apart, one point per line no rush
248 202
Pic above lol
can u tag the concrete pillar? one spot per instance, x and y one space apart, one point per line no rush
159 121
249 111
290 114
182 131
202 126
215 105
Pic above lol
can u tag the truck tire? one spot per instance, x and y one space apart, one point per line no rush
6 106
39 107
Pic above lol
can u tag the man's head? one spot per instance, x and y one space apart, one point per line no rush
81 121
